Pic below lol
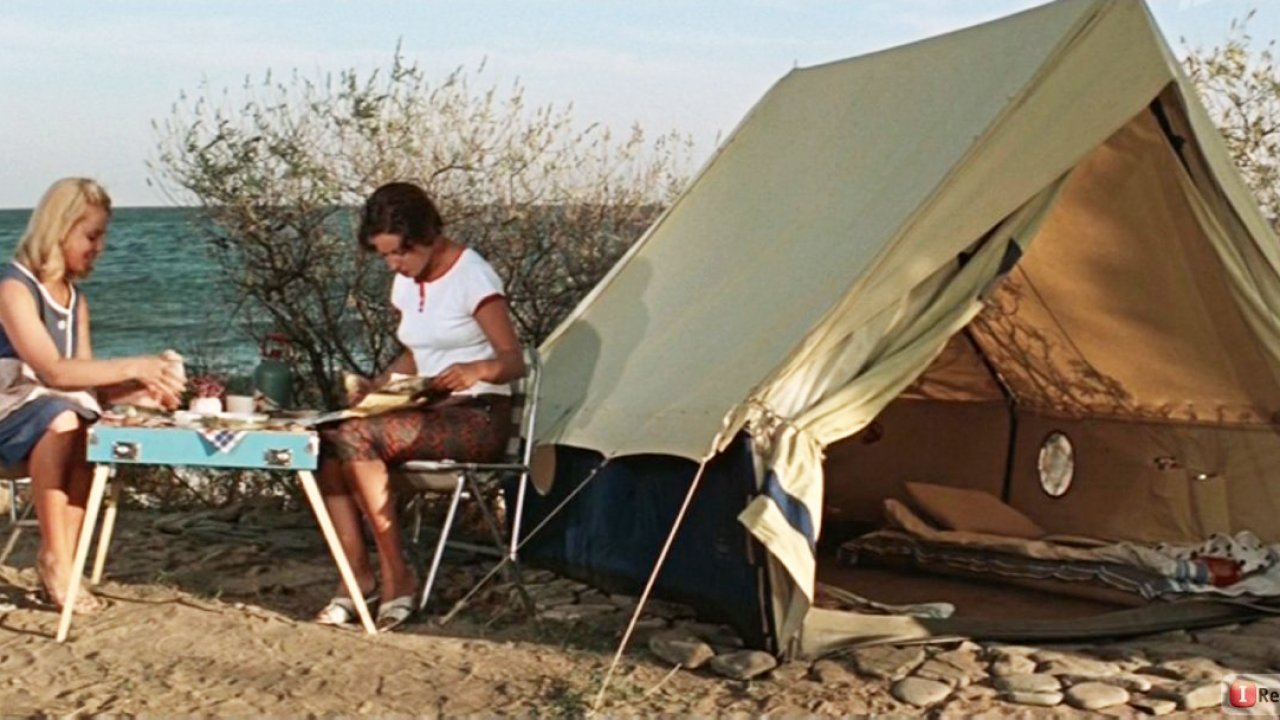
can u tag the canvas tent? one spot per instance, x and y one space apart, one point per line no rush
1022 227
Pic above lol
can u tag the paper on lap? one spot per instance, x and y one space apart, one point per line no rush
400 392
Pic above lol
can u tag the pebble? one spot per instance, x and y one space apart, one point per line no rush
1193 696
1013 665
1192 668
920 692
829 672
689 653
1039 699
743 665
956 668
1096 696
721 635
1132 683
888 662
1153 706
1075 665
571 613
1030 682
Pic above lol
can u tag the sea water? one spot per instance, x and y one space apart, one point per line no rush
155 287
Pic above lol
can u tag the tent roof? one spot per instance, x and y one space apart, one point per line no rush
852 180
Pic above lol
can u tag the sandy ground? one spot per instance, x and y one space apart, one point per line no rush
208 614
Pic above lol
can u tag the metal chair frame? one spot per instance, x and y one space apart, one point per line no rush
13 477
441 476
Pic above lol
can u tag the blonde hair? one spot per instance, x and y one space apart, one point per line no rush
61 207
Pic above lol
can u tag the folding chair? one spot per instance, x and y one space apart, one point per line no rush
459 479
11 477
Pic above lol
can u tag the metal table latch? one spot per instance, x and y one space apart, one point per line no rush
278 458
126 450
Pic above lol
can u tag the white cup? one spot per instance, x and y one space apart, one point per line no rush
206 405
240 404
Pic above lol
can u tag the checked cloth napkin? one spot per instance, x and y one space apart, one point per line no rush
224 441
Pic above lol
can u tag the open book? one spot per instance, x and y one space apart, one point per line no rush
400 392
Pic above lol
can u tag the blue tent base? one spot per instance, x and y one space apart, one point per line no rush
610 535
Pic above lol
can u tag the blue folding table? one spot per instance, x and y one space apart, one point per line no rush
290 449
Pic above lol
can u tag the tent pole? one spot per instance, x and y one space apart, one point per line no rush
1006 485
653 576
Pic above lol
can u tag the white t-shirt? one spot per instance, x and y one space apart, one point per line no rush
437 318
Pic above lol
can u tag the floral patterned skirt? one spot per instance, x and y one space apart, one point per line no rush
463 428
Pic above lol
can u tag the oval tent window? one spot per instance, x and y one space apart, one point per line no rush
1056 464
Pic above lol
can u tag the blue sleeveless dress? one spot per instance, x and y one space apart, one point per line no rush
23 427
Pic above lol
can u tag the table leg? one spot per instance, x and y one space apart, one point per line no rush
104 538
100 474
335 548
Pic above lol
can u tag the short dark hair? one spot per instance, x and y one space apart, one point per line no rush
403 209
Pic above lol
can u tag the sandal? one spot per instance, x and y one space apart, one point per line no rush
342 610
393 613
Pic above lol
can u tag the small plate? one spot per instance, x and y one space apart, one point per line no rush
242 417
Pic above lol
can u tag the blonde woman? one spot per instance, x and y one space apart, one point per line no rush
49 381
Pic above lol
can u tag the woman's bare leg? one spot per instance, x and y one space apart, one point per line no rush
373 487
79 478
51 465
345 515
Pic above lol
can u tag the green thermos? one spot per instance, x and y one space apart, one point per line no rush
272 377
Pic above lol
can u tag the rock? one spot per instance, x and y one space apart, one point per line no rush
624 602
651 623
1096 696
1193 696
743 665
1029 682
573 613
1039 699
1153 706
942 672
957 668
1190 669
668 610
1013 665
996 651
1132 683
553 597
920 692
975 693
1161 672
888 662
692 654
537 577
591 596
721 635
1077 665
829 672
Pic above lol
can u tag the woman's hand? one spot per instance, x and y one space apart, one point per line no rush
460 376
356 387
161 377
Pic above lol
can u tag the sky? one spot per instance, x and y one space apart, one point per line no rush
83 80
